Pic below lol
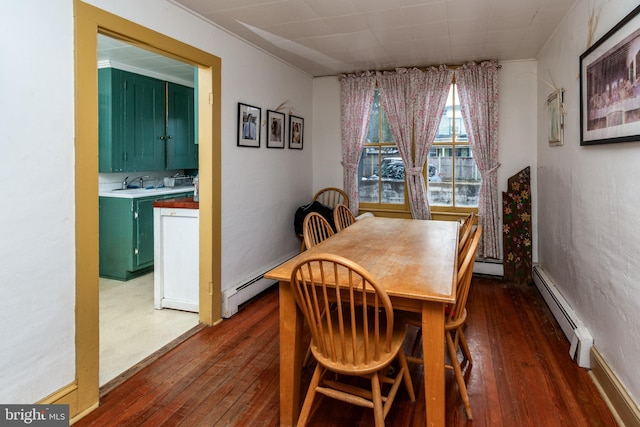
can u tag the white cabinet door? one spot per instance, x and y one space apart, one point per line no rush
176 249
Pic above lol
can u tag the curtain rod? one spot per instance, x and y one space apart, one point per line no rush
423 68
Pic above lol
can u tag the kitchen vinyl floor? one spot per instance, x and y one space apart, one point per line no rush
130 328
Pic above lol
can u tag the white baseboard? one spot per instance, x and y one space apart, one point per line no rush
622 405
488 268
233 298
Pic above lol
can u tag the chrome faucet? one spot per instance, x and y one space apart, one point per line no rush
141 179
125 183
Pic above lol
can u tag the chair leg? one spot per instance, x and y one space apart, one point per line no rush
417 342
453 354
307 357
378 410
311 393
406 376
465 347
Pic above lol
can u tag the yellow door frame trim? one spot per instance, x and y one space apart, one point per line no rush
89 21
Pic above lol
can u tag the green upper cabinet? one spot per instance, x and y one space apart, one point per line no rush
182 151
110 120
145 124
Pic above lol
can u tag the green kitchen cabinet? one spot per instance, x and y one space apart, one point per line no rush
182 151
145 124
126 235
131 124
111 153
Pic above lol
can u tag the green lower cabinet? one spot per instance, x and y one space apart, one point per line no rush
126 235
144 233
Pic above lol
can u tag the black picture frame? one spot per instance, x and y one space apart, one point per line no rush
276 125
249 120
610 86
296 132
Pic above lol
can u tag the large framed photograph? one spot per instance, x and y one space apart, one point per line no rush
610 85
248 125
275 129
554 105
296 132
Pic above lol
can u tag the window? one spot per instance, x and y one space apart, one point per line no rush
381 181
454 178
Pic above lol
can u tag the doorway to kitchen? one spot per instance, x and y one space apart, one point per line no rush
89 22
131 327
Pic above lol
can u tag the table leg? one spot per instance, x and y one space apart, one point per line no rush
433 350
291 355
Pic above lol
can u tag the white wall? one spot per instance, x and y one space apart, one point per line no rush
261 187
327 133
588 205
37 257
517 131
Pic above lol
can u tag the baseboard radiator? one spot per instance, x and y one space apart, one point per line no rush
577 334
234 297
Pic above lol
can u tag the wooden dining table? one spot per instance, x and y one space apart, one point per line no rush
414 260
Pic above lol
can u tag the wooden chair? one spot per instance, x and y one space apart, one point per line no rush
464 234
315 229
342 217
358 338
331 197
456 316
464 242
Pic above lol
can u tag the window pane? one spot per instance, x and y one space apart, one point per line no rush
387 136
467 180
381 171
368 179
460 130
445 130
440 189
373 131
392 176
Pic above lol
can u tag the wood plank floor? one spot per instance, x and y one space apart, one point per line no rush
227 375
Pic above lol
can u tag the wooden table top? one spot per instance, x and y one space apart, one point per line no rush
412 259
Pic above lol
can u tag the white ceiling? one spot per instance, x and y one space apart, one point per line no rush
118 54
329 37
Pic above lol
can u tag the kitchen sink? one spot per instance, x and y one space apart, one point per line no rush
143 192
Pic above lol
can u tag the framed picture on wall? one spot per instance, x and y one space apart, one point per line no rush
248 125
610 85
275 129
296 132
554 106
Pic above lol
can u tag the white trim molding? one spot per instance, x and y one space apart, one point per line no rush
622 405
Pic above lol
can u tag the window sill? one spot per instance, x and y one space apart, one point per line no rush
436 214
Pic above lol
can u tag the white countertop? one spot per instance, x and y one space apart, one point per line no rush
132 193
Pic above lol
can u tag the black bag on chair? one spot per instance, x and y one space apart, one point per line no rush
315 206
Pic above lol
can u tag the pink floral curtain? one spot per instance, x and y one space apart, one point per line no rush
356 96
413 101
478 89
